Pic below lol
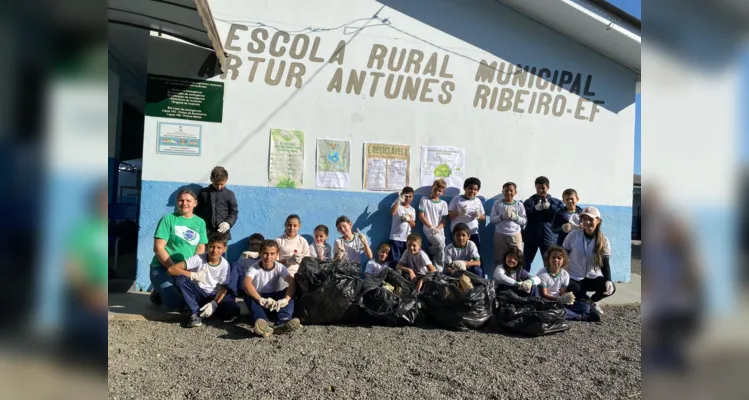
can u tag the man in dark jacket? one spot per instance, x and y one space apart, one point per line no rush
217 205
540 209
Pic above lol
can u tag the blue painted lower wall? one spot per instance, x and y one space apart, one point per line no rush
264 210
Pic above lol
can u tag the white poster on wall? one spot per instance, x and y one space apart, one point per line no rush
386 166
179 139
286 166
447 163
333 164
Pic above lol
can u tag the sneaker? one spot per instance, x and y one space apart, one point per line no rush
288 326
595 308
262 328
155 298
194 321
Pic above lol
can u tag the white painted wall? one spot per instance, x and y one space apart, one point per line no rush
593 157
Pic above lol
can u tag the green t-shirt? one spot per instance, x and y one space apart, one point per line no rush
88 246
182 235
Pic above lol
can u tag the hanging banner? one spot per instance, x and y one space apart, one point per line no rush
443 162
333 164
286 165
386 166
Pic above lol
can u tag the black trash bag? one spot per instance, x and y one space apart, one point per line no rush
532 316
443 301
398 307
329 291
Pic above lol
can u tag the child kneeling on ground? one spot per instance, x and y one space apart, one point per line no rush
203 280
264 300
414 262
462 253
554 281
513 277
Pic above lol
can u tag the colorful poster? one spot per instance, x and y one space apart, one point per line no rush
286 165
333 164
181 139
386 166
447 163
183 98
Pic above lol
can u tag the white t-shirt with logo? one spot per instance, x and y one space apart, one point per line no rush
399 230
455 253
352 248
417 262
582 250
553 283
434 212
374 268
474 207
216 275
267 281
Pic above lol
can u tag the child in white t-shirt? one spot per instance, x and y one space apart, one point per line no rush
468 209
239 268
292 247
264 300
511 275
433 214
320 250
403 219
554 281
414 262
203 280
508 217
462 254
350 246
375 266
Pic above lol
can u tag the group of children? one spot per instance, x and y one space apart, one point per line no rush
575 252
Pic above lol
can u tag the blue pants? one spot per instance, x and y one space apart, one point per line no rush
195 297
165 285
476 270
258 312
580 311
236 280
476 239
397 248
529 253
534 290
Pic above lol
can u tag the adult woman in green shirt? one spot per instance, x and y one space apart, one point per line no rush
179 236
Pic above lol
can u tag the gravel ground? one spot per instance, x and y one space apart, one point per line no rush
156 360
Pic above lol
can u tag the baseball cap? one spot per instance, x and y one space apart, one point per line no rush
592 212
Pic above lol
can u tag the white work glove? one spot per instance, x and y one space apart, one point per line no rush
250 254
434 231
199 276
507 214
279 305
223 227
362 237
567 298
459 265
546 204
401 198
540 205
267 303
566 228
405 217
208 309
609 288
525 285
463 211
298 258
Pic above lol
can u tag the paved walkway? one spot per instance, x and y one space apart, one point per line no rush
136 306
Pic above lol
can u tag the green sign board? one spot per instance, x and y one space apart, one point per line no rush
183 98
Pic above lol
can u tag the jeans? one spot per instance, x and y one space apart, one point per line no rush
530 249
165 285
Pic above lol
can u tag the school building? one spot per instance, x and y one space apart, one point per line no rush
514 89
